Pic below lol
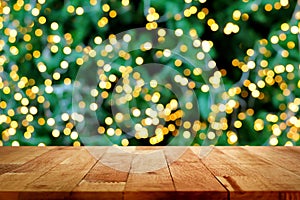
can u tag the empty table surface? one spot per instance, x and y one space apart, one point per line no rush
149 173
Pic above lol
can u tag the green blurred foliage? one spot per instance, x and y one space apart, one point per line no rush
261 54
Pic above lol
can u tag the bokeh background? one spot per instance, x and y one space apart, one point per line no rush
255 45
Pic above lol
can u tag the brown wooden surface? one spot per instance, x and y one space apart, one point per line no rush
150 173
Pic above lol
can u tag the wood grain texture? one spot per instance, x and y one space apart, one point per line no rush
106 180
246 175
149 173
20 155
192 177
149 176
278 156
66 174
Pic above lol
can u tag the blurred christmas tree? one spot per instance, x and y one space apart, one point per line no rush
255 45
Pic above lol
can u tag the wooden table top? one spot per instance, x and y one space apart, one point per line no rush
150 173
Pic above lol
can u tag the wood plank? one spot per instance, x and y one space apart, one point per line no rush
232 175
96 151
202 151
107 179
20 155
241 156
67 174
59 181
219 163
284 157
4 168
107 168
46 161
118 158
247 187
279 178
293 148
174 153
251 176
193 180
149 176
19 178
15 182
98 190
